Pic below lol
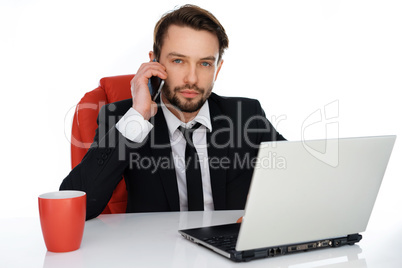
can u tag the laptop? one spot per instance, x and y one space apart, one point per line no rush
304 195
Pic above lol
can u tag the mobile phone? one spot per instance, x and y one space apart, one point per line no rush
155 85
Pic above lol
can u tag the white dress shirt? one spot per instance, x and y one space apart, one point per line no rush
135 128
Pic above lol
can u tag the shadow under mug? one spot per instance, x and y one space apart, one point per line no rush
62 217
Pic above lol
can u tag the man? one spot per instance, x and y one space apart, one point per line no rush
150 144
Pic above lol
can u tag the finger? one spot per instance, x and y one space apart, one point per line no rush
145 73
155 69
160 72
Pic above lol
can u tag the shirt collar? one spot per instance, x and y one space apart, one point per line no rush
203 117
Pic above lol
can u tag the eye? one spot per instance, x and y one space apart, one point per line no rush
205 64
177 61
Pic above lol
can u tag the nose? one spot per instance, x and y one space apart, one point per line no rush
191 76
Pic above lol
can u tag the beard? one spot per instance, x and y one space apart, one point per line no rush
188 105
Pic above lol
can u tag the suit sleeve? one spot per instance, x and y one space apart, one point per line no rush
272 134
101 168
262 126
255 128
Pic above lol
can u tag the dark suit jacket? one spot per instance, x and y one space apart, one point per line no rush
239 125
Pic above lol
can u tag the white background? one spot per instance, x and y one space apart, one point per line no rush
296 57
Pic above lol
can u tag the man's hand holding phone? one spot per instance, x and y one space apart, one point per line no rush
140 92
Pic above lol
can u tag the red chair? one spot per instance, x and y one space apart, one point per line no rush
111 89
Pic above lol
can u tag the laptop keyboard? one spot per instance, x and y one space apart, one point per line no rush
225 243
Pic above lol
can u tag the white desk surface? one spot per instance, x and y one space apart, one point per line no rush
152 240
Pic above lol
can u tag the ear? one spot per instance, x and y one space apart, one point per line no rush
151 56
219 69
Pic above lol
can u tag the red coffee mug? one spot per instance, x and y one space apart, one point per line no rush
62 217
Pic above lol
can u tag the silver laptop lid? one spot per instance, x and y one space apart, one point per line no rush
311 190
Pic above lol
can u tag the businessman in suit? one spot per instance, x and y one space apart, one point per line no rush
189 149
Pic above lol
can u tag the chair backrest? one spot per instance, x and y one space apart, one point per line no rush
110 89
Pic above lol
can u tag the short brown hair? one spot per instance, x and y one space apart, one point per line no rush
194 17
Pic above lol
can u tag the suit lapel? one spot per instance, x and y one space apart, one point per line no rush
160 148
220 135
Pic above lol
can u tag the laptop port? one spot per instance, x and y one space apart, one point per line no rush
276 251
